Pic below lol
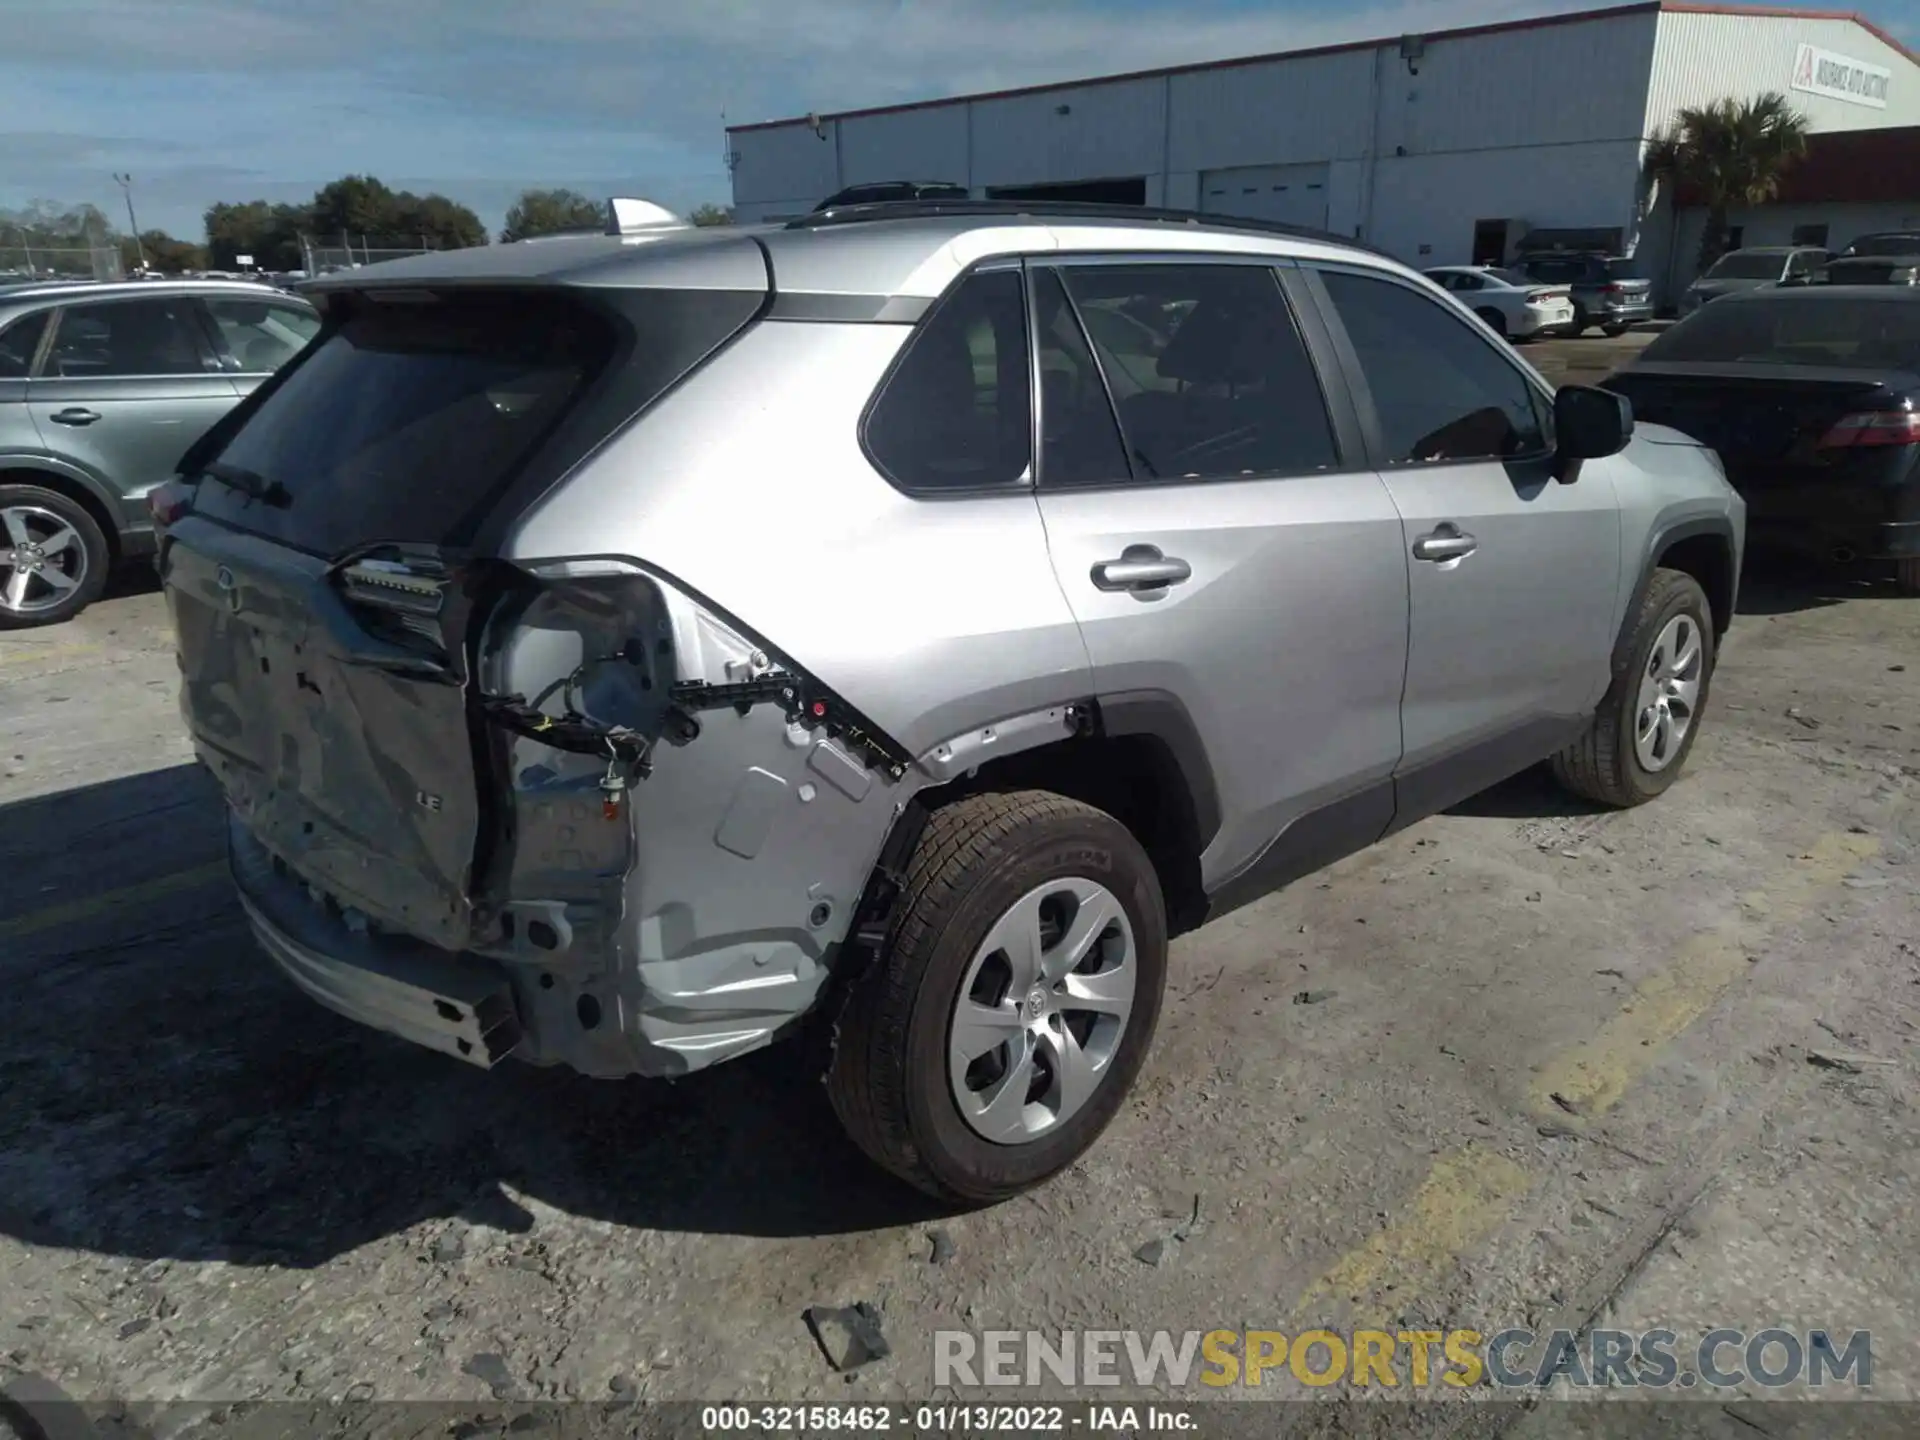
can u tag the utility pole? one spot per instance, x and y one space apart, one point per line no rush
126 188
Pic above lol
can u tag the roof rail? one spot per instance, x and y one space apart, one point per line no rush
1067 210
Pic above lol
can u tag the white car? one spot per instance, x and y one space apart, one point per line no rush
1513 305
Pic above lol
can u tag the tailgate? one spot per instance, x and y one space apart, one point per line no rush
349 757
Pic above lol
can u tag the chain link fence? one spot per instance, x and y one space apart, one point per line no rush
54 262
353 251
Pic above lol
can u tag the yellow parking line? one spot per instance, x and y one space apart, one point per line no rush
75 911
1465 1196
1592 1076
18 654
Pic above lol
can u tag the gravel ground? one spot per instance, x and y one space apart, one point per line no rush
1523 1064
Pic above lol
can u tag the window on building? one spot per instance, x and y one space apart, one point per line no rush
958 412
1810 235
1208 373
1441 391
126 338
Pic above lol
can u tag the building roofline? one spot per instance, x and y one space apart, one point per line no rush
1498 27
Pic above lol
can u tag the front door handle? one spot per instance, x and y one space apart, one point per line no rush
74 415
1444 542
1141 567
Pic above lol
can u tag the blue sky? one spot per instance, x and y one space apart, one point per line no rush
205 100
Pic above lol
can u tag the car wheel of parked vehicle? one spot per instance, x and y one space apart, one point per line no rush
1906 575
1014 1000
1578 326
1613 332
1495 321
53 558
1646 724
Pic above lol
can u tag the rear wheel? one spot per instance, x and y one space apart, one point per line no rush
1013 1003
1906 575
53 557
1646 724
1495 321
1578 325
1614 332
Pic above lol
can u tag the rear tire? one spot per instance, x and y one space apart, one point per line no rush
1578 326
1611 763
53 557
1495 321
973 879
1614 332
1906 575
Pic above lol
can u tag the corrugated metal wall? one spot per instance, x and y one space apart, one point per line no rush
1700 58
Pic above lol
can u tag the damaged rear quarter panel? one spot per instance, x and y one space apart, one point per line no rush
930 618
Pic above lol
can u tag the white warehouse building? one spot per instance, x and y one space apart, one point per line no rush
1447 148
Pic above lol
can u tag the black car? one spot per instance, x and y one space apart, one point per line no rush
881 191
1811 396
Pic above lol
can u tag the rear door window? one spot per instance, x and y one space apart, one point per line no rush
119 339
956 414
1208 372
18 344
1080 438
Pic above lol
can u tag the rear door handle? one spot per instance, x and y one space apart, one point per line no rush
1141 567
1444 542
74 415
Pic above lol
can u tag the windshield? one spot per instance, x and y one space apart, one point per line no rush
1796 330
1885 245
1747 267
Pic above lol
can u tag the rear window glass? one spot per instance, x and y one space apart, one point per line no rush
1802 330
408 416
1885 245
1748 267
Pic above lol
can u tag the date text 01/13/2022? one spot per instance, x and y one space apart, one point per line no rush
942 1419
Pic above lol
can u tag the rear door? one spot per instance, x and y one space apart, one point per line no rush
1512 573
1225 546
125 387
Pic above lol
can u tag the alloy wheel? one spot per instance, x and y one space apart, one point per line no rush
43 559
1669 695
1042 1010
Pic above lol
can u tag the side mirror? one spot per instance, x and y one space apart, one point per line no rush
1588 424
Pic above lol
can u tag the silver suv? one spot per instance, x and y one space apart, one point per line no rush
102 389
617 651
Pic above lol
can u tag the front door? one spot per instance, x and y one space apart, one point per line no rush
1223 550
125 388
1512 573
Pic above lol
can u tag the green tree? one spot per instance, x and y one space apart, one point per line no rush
269 233
551 212
1729 153
711 215
163 253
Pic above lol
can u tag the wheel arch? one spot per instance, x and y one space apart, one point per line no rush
77 486
1703 547
1139 757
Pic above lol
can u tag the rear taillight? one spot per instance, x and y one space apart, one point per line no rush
168 502
1613 290
1873 427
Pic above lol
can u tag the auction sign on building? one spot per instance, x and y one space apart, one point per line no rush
1840 77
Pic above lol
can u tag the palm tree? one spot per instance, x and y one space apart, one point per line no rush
1732 152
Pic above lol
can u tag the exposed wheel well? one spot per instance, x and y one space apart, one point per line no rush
1135 779
1708 559
76 492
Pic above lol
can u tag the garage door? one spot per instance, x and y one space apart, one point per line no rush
1290 194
